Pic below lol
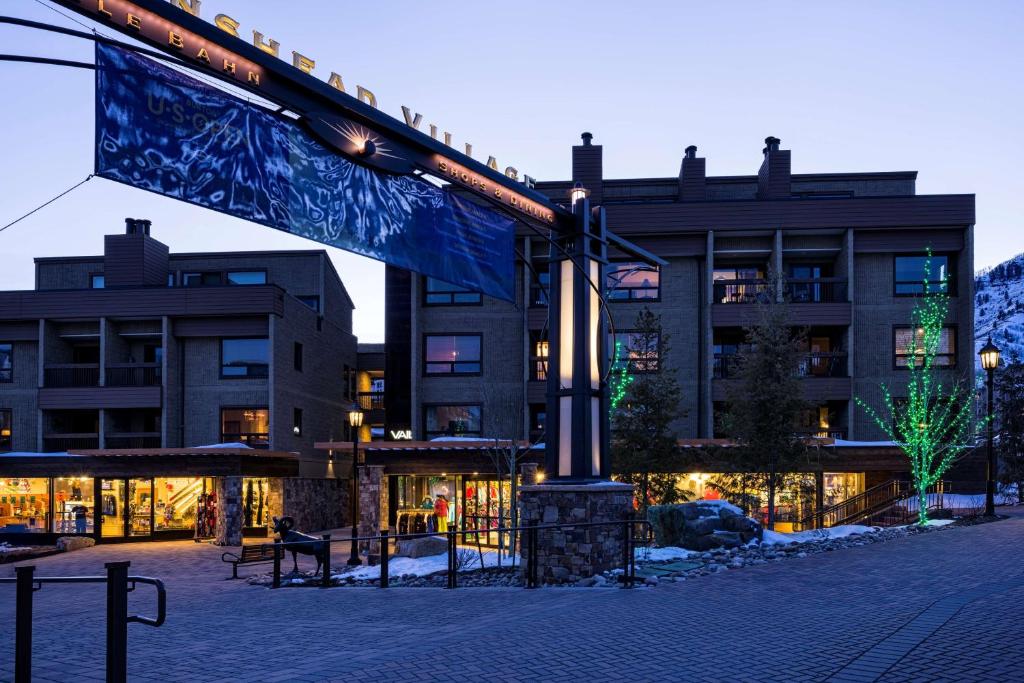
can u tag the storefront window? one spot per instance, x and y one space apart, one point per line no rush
487 504
176 501
416 506
74 506
112 508
840 486
255 503
24 505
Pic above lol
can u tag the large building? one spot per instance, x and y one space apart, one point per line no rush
850 248
143 351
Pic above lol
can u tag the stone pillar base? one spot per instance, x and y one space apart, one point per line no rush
229 511
566 556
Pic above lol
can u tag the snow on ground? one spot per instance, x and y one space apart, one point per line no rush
661 554
720 504
424 566
956 501
842 531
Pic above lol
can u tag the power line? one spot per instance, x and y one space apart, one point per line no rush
51 201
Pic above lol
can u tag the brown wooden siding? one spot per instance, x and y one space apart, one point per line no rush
741 315
90 398
22 330
142 303
880 241
220 327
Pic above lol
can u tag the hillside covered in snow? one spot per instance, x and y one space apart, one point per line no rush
999 308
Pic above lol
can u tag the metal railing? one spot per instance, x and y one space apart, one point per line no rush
816 364
67 442
71 375
795 290
528 539
879 505
133 375
371 400
119 584
133 440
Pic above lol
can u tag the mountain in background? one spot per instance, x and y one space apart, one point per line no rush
999 308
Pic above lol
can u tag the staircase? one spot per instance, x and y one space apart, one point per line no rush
877 506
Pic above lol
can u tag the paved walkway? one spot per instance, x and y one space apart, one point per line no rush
937 607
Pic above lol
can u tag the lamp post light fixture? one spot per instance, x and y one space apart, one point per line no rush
578 192
355 421
989 362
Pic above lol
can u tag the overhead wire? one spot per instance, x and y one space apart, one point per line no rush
50 201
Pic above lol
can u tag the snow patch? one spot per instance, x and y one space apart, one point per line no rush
226 445
842 531
662 554
424 566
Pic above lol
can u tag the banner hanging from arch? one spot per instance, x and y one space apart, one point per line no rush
161 130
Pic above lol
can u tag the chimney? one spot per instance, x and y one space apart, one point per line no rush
773 178
692 179
135 259
587 167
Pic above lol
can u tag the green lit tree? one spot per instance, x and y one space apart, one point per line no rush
643 443
935 424
619 378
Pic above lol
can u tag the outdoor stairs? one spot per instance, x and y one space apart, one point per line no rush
881 505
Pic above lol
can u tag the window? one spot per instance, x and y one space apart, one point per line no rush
170 279
538 355
73 505
247 277
311 300
739 284
244 358
177 501
298 357
5 430
912 280
6 362
199 279
631 281
452 355
25 505
451 421
539 285
439 293
906 337
538 420
297 421
250 426
639 349
97 281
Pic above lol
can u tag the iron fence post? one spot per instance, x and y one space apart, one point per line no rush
326 578
531 572
117 621
627 553
277 564
23 625
451 560
384 552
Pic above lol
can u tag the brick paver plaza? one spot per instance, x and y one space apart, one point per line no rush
851 615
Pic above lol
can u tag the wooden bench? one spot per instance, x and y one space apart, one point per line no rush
251 554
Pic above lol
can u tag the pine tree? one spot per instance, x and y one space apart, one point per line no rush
643 444
765 404
935 424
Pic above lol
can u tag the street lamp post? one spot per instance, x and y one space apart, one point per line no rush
990 361
355 421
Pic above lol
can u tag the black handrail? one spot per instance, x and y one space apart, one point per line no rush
117 580
532 533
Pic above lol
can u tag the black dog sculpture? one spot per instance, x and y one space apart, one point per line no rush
304 543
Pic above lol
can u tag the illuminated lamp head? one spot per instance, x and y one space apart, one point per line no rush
365 147
578 192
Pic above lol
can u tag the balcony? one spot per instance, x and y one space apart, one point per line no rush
812 301
71 375
133 375
820 364
371 400
62 442
826 376
133 440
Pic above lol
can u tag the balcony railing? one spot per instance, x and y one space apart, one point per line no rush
133 440
133 375
798 291
726 365
371 400
825 433
66 442
72 375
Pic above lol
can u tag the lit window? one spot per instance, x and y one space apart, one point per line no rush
25 505
451 421
630 281
638 349
439 293
250 426
909 341
97 281
538 356
452 355
244 358
5 430
739 285
247 277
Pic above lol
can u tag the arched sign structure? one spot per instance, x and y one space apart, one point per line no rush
365 138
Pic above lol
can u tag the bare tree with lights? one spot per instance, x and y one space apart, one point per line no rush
935 424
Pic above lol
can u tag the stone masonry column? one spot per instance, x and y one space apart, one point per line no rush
229 511
372 507
568 555
528 472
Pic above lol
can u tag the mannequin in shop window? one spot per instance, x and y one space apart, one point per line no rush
428 504
441 513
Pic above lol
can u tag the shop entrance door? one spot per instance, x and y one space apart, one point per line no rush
112 512
140 507
126 508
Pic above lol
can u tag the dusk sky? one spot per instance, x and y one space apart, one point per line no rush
853 86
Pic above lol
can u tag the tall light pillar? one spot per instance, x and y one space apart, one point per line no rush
576 444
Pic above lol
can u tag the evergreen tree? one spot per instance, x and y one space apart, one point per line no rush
1009 397
765 404
643 444
935 424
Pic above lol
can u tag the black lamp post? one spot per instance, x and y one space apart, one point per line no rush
355 421
990 361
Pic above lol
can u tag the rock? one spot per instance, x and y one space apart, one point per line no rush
600 581
422 547
651 580
729 539
704 525
68 543
588 582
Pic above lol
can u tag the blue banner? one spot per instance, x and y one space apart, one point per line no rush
160 130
